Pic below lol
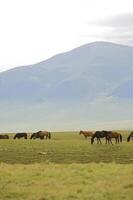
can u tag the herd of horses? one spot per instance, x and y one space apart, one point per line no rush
40 134
108 135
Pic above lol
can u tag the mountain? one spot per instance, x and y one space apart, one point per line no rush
83 88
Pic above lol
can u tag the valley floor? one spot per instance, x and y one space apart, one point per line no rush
66 181
67 167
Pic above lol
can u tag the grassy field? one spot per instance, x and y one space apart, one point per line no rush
66 167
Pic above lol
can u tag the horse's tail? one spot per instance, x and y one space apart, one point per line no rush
80 132
120 136
49 135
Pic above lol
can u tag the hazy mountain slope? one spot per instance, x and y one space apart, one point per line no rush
97 78
86 71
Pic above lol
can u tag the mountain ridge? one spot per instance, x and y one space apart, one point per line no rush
96 78
76 48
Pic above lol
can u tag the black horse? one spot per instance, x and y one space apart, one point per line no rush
101 134
130 136
21 135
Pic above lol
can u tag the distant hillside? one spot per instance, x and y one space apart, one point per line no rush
90 84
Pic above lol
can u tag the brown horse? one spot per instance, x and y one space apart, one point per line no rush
86 134
21 135
4 137
130 136
41 135
115 135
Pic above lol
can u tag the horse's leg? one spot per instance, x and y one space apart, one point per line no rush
118 140
110 141
100 141
106 140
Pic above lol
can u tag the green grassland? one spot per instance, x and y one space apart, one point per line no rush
65 167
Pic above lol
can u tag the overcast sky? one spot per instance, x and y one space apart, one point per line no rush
33 30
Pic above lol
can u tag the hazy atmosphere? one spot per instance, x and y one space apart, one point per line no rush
74 64
33 30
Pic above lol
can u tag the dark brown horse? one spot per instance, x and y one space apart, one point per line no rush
21 135
41 135
4 137
130 137
86 134
113 134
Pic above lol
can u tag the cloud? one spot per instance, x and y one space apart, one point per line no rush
118 28
121 21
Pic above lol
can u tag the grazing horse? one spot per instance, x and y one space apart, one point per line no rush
41 135
112 134
130 136
86 134
98 135
4 137
21 135
34 136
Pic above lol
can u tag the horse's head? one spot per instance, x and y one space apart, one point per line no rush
128 139
26 137
92 139
32 135
80 132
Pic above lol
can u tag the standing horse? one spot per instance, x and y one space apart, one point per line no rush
34 136
4 137
21 135
130 136
112 134
86 134
41 135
